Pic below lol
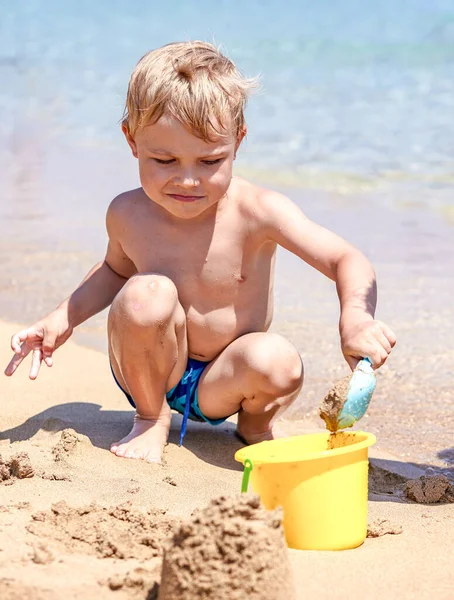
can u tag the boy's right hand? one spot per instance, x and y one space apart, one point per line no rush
41 339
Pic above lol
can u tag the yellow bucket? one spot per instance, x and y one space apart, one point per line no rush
321 482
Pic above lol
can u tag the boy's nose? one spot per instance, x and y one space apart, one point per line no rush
188 180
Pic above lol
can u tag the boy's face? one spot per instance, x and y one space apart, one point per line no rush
179 171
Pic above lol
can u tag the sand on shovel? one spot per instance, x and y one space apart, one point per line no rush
333 403
231 550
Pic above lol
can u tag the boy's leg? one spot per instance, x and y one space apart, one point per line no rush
148 352
259 375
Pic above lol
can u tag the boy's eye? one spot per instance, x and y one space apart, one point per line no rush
161 161
169 161
212 162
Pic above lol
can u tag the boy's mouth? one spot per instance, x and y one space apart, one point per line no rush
184 198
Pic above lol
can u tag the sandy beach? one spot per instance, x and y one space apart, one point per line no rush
40 560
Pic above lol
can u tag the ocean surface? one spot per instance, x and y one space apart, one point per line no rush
354 95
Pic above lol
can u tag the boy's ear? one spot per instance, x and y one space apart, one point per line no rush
129 139
240 137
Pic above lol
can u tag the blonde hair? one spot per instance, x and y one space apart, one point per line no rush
193 82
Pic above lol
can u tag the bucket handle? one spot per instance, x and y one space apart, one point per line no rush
248 466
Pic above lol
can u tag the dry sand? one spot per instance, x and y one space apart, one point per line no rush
231 550
90 525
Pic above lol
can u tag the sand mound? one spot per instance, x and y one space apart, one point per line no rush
430 489
427 489
333 403
381 527
233 549
120 532
66 446
17 467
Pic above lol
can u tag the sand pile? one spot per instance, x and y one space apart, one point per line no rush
333 403
121 532
233 549
381 527
427 489
66 446
16 467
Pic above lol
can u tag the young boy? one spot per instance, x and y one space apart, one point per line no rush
190 263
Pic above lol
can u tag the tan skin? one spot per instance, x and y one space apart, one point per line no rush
189 272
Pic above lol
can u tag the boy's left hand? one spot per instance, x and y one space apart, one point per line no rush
369 338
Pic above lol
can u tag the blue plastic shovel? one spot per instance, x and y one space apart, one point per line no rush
359 393
361 388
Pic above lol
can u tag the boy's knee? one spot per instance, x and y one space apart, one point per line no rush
147 300
277 362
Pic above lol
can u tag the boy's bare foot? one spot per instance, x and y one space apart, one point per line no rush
146 439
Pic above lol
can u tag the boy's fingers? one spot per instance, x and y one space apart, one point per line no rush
384 342
36 363
17 359
13 364
389 334
17 341
378 355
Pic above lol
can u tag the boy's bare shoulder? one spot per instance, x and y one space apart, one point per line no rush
126 202
124 209
260 203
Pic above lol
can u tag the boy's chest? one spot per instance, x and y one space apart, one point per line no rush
215 263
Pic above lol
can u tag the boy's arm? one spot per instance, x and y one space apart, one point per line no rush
353 274
95 293
106 279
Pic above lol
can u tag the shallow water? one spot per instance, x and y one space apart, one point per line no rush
354 95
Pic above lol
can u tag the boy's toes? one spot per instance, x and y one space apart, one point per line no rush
119 450
154 456
125 451
133 453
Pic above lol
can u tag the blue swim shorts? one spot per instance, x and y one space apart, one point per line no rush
184 397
